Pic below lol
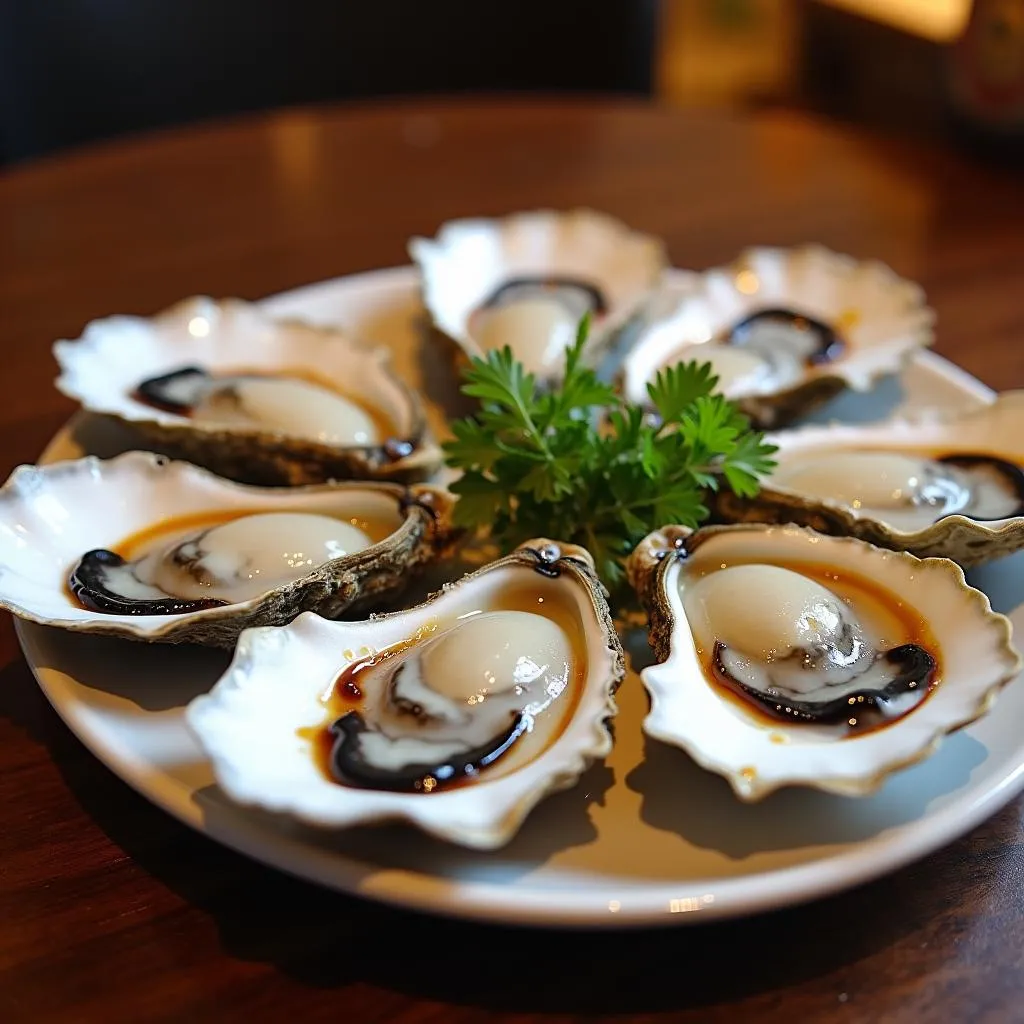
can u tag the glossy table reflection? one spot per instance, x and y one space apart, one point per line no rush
109 910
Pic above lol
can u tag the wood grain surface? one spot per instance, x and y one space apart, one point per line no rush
111 911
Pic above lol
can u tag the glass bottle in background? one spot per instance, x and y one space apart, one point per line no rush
985 80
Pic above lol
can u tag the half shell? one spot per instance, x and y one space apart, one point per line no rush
261 723
993 431
758 753
858 322
593 261
51 516
103 369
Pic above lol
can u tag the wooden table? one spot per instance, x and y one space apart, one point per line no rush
111 911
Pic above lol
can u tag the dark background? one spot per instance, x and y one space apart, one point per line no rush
78 71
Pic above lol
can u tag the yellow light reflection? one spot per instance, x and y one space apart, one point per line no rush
747 282
939 20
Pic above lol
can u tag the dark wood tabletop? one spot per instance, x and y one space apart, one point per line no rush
112 911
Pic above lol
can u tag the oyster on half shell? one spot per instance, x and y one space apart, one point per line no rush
527 279
250 397
145 548
785 330
457 716
939 484
786 657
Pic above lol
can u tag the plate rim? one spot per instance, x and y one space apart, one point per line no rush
642 904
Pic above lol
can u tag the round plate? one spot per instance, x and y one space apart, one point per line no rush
646 839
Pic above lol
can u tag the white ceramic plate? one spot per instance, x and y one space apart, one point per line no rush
647 839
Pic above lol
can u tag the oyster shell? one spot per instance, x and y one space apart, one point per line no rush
457 716
60 522
786 657
936 485
249 397
527 279
785 330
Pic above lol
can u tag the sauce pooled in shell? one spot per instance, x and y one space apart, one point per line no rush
212 559
464 700
804 643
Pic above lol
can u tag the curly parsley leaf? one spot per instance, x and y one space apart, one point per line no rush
579 463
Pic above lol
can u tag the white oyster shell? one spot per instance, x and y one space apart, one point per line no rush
996 429
103 367
975 655
882 318
469 259
249 723
52 515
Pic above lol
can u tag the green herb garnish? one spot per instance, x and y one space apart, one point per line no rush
540 463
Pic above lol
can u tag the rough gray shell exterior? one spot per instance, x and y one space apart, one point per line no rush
645 568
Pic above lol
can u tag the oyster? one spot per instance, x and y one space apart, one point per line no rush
149 549
785 330
249 397
935 485
458 715
526 280
786 657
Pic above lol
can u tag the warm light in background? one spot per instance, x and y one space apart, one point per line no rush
724 51
939 20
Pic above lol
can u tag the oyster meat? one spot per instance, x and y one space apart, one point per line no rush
908 491
218 564
941 484
250 397
526 281
536 317
796 647
142 547
285 405
455 704
786 657
457 715
784 330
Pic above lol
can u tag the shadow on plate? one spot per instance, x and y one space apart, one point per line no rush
1002 580
330 942
881 402
789 818
154 677
557 824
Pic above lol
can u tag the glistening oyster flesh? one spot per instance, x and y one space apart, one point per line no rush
786 657
796 647
289 405
939 484
457 715
526 280
220 562
250 397
785 330
449 706
146 548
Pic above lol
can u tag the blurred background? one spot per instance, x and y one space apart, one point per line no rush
77 71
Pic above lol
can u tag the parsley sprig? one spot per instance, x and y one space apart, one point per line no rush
542 462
